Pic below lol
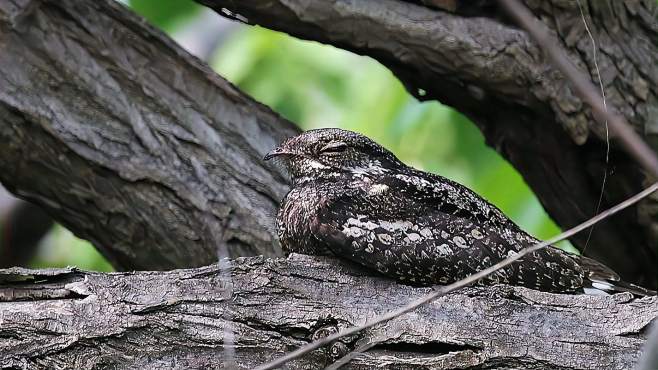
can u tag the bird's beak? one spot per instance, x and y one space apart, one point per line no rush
277 152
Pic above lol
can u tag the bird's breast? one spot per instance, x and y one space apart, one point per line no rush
302 207
298 210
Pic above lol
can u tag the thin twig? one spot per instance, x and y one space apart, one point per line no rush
595 48
225 267
459 284
633 143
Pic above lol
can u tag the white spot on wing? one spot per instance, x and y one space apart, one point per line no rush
353 232
461 243
368 225
375 168
385 238
444 249
377 189
592 291
316 164
398 225
413 237
601 285
476 234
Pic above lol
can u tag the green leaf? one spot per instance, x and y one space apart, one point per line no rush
166 14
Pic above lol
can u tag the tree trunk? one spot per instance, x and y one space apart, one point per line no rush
129 141
183 319
475 60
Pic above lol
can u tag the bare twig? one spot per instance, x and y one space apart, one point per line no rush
595 48
633 143
225 268
459 284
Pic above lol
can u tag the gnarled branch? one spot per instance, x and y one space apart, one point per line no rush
129 141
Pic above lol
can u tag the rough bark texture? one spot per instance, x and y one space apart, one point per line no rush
129 141
476 61
179 319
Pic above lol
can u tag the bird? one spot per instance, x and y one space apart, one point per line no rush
353 199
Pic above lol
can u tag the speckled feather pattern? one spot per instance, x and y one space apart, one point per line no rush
361 203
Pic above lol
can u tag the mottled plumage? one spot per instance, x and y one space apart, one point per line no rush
354 199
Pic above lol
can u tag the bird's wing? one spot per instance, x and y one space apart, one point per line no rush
438 194
404 239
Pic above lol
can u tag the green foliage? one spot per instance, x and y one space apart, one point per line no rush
166 14
61 248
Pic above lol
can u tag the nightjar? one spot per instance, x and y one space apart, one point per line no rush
354 199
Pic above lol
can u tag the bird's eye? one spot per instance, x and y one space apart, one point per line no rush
333 147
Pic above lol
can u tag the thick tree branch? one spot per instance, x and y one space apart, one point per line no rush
129 141
176 319
491 71
628 138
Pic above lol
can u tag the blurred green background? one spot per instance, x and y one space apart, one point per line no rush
316 85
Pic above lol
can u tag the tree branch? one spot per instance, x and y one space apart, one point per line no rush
628 138
176 319
129 141
492 72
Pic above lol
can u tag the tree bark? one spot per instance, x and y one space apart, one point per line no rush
475 60
182 319
129 141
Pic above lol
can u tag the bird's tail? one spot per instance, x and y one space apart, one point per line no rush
600 279
619 286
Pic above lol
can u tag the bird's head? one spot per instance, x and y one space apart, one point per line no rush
331 152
